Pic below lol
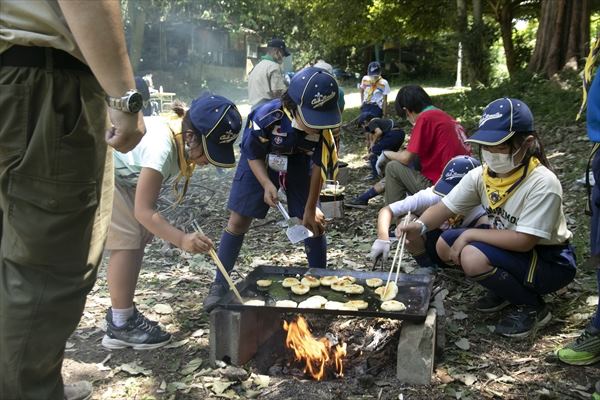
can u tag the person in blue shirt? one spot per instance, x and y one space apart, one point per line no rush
287 144
585 350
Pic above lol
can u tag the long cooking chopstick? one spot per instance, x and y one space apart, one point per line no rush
217 261
400 247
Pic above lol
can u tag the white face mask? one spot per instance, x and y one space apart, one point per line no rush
498 162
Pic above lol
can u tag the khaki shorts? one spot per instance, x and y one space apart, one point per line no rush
125 232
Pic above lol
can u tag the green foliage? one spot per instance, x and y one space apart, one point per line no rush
553 103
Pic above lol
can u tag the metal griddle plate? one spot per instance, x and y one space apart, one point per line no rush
413 290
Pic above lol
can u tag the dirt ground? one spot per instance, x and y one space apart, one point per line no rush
475 364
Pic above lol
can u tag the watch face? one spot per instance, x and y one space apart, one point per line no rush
135 102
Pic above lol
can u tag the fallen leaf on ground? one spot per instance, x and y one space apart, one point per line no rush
220 386
191 366
459 315
198 333
463 344
176 344
134 369
262 381
163 309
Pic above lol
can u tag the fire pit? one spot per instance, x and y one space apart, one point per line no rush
238 330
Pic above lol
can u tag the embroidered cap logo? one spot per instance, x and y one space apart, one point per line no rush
227 137
320 99
487 117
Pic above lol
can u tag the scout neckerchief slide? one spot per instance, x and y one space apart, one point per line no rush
186 168
498 190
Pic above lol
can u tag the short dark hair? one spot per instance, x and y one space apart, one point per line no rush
413 98
288 103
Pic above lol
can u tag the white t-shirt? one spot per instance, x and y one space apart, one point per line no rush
423 199
156 150
534 208
374 92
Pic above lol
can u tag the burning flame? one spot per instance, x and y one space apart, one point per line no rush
314 352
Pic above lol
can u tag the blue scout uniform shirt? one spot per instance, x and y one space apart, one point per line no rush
593 110
270 130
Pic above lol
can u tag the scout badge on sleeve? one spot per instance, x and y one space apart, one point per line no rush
296 232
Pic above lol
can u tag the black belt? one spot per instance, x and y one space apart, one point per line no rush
41 57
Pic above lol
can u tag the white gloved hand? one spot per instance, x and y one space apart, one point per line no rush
381 248
382 161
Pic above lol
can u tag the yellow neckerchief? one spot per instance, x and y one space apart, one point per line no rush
588 73
371 90
456 221
186 168
329 157
498 190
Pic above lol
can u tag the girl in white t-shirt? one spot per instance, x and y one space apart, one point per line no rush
169 150
526 252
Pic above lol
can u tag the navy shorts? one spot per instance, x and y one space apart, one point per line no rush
595 222
545 269
247 195
368 111
391 140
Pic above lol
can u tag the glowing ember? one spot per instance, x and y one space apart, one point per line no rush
316 353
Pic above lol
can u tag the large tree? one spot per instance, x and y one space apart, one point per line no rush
563 36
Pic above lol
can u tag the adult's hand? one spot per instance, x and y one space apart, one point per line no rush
126 131
270 197
196 243
381 248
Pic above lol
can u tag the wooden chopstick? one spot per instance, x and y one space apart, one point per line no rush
400 247
217 261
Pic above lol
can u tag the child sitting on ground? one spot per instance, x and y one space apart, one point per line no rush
422 248
373 94
382 134
525 253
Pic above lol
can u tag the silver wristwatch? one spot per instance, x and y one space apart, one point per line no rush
131 102
424 227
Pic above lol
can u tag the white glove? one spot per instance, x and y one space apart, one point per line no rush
382 161
381 248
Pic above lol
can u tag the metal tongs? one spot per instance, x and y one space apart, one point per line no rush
296 232
217 261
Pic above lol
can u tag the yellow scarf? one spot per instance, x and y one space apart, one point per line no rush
329 157
186 168
498 190
371 89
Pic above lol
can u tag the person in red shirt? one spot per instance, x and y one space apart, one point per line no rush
435 139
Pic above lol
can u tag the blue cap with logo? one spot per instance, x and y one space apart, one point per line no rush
453 172
500 120
374 68
219 122
315 91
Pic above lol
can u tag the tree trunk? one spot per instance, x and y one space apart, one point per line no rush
137 16
461 31
458 82
504 16
563 36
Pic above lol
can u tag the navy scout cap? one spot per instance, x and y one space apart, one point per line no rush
374 68
453 172
219 122
500 120
279 44
316 93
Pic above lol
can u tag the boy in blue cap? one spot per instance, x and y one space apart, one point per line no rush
525 253
374 90
287 144
169 151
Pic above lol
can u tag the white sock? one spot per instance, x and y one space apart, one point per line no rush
121 315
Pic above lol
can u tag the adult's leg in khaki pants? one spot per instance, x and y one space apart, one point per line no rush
52 160
401 181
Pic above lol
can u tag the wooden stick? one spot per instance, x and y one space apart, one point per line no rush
217 261
400 247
